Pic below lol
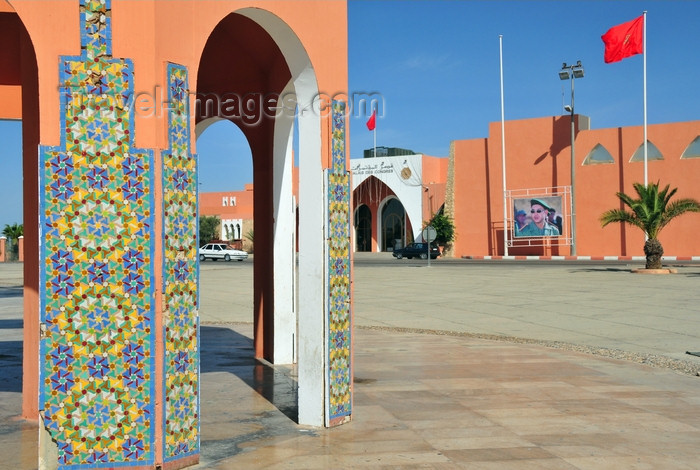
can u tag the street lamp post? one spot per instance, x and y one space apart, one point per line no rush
566 72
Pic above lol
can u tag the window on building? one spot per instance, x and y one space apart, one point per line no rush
232 201
693 149
653 153
224 201
599 154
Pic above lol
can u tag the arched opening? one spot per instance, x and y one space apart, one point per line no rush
241 65
393 225
19 85
225 167
224 157
363 228
10 185
251 62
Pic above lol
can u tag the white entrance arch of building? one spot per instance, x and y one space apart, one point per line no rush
403 176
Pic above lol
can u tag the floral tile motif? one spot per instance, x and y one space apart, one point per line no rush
181 318
97 272
340 315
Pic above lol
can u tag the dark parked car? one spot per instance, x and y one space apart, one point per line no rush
419 250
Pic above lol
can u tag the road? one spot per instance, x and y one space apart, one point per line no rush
589 303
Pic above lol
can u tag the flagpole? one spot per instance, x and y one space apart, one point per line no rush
644 54
503 152
375 135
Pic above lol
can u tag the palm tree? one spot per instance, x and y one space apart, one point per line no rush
650 212
13 232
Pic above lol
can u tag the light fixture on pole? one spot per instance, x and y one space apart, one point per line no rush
571 72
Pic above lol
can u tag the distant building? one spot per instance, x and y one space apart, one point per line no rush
235 211
387 152
538 164
392 197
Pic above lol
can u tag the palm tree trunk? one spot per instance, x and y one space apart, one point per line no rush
653 251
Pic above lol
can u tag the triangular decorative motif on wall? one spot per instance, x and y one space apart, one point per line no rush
599 154
692 150
653 153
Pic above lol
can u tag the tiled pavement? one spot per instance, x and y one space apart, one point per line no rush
437 401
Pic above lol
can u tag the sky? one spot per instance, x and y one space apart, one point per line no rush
436 66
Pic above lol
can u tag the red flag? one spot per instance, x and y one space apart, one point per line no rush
372 121
624 40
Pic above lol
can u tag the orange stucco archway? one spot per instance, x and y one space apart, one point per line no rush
19 99
118 202
240 69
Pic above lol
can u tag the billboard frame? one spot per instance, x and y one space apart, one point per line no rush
564 239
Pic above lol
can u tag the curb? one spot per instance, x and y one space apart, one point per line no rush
580 258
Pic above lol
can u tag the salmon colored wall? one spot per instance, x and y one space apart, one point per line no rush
11 99
54 30
471 187
538 156
211 204
12 56
435 178
596 192
151 33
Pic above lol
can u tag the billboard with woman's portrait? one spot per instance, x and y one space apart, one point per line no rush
538 217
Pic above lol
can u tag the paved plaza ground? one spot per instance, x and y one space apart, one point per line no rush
457 365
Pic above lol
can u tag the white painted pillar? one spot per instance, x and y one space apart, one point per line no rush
284 225
312 260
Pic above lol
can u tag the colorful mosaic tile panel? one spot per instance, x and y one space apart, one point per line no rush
97 273
180 318
340 316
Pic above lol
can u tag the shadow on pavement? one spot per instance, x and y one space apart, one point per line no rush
10 292
225 350
11 366
601 270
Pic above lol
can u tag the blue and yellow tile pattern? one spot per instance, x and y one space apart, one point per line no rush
180 318
339 313
97 368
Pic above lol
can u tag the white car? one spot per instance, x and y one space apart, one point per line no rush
221 251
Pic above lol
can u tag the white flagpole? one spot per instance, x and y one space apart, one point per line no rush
375 132
644 54
503 153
